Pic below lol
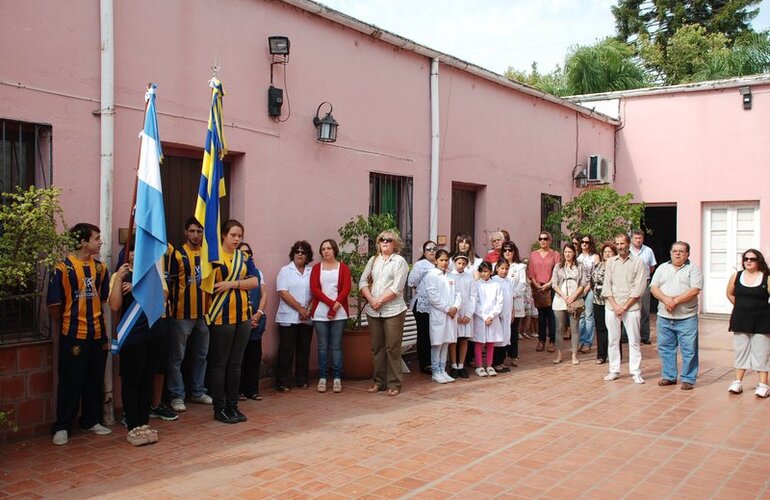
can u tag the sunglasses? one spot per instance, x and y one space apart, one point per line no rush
543 239
386 240
585 242
431 249
300 252
750 259
507 249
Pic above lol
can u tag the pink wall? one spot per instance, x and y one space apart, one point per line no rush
693 148
285 185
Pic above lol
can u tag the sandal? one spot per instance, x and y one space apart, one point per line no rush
241 397
393 392
550 348
540 347
256 396
374 388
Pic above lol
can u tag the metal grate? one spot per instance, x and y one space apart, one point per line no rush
25 160
393 194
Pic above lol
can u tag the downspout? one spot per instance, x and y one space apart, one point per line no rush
435 129
107 122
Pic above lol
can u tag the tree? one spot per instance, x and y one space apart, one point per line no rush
750 55
688 52
600 212
658 21
554 82
606 66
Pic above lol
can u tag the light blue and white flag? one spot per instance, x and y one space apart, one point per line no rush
150 219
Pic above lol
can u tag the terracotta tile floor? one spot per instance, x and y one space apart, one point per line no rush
542 431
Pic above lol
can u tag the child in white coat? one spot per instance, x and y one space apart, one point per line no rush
486 328
506 315
465 286
444 303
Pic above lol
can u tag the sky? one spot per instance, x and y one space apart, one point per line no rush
496 34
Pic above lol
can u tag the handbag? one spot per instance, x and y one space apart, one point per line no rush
542 299
577 307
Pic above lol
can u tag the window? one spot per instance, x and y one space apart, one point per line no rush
393 194
25 160
550 204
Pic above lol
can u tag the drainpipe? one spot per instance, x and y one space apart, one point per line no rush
435 129
107 122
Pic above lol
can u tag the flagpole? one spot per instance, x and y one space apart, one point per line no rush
108 409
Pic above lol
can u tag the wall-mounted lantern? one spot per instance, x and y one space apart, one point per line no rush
326 127
746 94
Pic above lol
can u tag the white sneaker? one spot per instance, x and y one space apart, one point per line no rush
638 379
60 438
611 376
337 386
481 372
100 430
762 391
321 385
491 371
178 405
448 378
203 399
438 378
736 387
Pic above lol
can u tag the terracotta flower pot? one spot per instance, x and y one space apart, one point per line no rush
357 354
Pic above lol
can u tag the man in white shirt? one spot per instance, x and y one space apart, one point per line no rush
645 253
676 285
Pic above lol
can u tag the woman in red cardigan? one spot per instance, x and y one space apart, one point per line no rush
330 286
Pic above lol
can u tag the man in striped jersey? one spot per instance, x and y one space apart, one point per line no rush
76 291
189 308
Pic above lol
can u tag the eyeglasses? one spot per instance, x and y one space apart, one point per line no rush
543 239
386 240
750 259
585 242
300 252
507 249
431 249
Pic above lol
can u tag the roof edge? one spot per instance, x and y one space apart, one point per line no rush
406 44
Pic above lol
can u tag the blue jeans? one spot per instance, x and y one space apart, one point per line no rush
682 333
197 332
587 322
329 336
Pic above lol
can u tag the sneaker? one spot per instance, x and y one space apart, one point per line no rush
203 399
137 437
611 376
178 405
224 416
638 379
237 415
436 377
463 372
60 438
337 386
502 369
481 372
762 391
491 372
321 385
163 412
736 387
152 434
448 378
100 430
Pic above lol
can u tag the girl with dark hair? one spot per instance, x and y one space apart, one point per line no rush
748 291
252 356
330 283
444 303
464 244
506 315
588 258
295 328
465 286
229 319
420 305
486 328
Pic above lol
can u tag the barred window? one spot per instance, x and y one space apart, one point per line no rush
393 194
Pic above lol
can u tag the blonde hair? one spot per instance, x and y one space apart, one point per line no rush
398 243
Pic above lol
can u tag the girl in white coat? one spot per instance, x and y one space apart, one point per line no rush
506 315
465 286
444 303
486 328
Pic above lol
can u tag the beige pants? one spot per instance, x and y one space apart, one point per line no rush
387 334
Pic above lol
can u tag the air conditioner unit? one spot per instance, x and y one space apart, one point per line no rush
600 170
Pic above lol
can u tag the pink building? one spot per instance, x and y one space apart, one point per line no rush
694 154
444 145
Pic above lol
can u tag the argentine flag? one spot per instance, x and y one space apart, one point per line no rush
150 218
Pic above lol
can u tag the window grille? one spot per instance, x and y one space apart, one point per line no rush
393 194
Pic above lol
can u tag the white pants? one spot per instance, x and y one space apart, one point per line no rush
632 320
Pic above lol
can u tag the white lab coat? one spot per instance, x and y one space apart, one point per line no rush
518 277
507 312
440 288
465 286
489 304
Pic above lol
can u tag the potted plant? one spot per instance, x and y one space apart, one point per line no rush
357 246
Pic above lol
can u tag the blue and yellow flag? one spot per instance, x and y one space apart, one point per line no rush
212 188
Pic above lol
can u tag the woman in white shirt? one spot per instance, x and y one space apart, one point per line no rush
444 303
330 287
420 307
295 329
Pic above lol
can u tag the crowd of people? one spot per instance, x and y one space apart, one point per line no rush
469 311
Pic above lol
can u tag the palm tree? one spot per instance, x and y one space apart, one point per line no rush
605 66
